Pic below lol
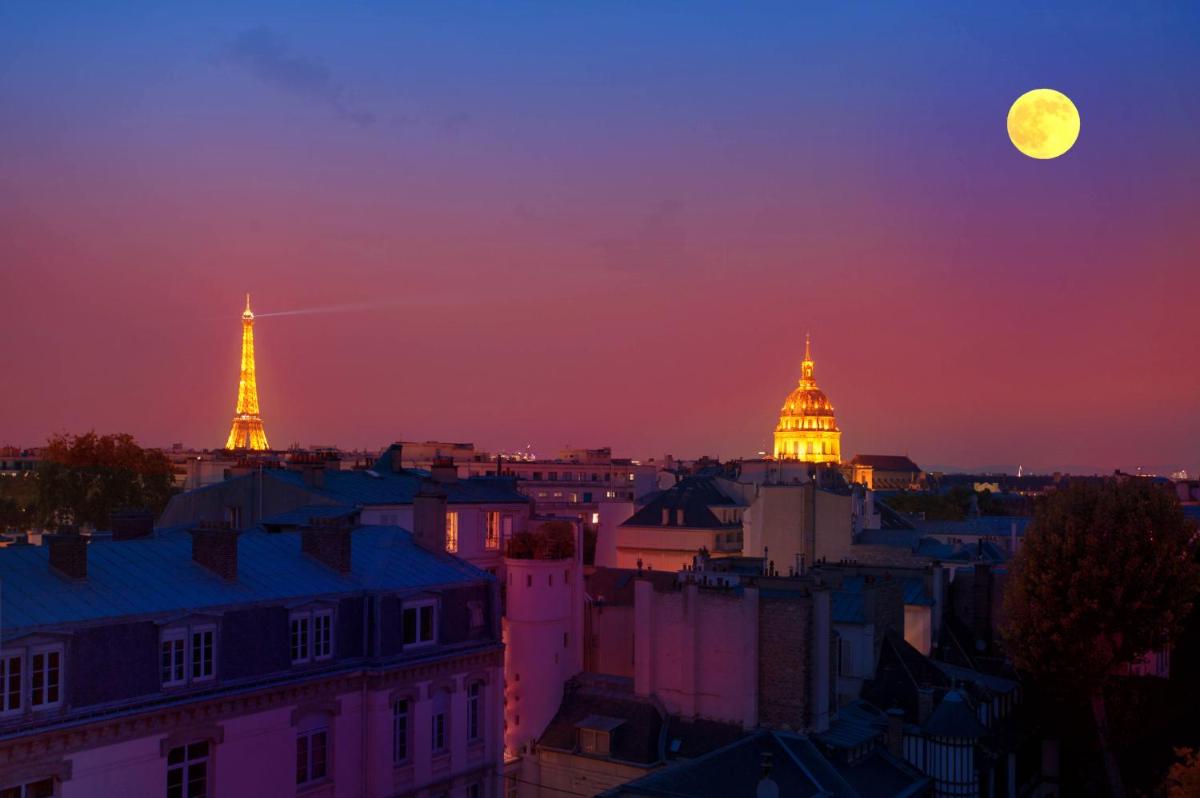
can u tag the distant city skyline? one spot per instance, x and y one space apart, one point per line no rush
570 227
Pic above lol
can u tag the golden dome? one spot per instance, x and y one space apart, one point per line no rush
807 428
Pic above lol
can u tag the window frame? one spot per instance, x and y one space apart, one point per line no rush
301 642
309 735
186 762
452 531
315 648
417 606
475 713
60 684
18 656
406 728
193 632
174 635
491 530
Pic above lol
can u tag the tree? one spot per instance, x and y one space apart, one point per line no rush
553 540
83 479
1183 780
1105 575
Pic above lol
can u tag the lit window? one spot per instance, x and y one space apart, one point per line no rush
451 532
400 730
492 538
10 683
187 771
46 671
418 624
474 711
312 749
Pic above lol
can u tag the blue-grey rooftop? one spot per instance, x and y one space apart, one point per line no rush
156 576
364 488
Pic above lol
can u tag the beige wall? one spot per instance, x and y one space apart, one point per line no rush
794 520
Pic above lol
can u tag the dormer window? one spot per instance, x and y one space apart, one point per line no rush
418 623
187 654
596 734
31 678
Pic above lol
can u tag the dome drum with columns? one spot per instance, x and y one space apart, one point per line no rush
807 430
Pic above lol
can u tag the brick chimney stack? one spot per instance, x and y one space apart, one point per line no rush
443 471
216 548
68 552
429 518
327 540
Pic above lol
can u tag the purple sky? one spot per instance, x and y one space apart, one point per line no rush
605 224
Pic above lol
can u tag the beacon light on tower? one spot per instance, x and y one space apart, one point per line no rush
247 431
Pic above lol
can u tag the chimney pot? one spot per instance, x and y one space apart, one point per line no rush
329 542
429 518
68 553
216 548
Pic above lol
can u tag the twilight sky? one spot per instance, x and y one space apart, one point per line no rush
603 224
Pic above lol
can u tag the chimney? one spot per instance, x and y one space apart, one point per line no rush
397 457
443 471
328 542
216 548
131 524
895 732
68 552
429 518
924 704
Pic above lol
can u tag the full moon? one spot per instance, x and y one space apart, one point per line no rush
1043 123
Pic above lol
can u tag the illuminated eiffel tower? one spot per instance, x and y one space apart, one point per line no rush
247 432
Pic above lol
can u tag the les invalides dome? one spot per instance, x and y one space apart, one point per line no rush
807 430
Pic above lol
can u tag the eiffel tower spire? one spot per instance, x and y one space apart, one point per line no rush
247 431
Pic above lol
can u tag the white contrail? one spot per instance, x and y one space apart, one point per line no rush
331 309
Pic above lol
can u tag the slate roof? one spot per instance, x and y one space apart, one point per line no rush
363 488
303 516
915 592
991 525
847 606
954 718
857 723
693 495
799 769
635 740
156 575
885 462
615 586
642 733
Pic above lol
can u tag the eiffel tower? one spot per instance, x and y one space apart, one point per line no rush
247 432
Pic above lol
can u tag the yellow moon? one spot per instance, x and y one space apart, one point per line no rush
1043 123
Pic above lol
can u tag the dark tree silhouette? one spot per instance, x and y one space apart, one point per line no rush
1105 575
83 479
